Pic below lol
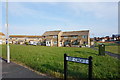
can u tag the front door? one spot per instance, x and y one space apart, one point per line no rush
60 43
47 43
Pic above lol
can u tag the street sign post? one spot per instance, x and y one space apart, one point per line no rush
78 60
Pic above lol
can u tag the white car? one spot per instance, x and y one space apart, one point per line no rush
34 43
0 41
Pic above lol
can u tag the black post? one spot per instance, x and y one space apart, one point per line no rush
90 68
65 67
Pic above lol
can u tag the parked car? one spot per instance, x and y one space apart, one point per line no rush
0 41
35 43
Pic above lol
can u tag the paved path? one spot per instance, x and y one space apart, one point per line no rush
13 70
109 53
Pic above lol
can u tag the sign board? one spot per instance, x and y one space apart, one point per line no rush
87 61
77 59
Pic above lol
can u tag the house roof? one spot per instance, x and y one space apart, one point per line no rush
48 33
28 36
2 34
71 33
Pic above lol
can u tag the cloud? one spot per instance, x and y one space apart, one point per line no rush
40 29
0 26
20 10
30 29
99 10
61 0
0 17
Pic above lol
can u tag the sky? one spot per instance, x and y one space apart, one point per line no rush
34 18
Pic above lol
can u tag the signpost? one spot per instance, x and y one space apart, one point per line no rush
78 60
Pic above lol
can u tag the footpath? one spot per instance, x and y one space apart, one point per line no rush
13 71
109 53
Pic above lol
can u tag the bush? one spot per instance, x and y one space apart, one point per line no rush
27 43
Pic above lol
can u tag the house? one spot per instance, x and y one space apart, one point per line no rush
22 39
2 38
70 38
92 42
116 37
75 38
52 38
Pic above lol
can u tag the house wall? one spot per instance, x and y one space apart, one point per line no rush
2 39
22 40
54 41
51 39
79 38
59 39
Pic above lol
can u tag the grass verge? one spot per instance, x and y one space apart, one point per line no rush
50 60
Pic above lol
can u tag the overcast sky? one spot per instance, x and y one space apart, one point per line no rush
34 18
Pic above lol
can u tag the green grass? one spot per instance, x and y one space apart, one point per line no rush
106 44
113 49
50 60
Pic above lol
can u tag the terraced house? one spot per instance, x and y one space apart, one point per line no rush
75 38
70 38
22 39
2 38
52 38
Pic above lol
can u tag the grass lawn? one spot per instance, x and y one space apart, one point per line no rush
50 60
113 49
106 44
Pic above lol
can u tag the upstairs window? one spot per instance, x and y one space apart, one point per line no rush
65 37
74 36
55 42
75 42
84 36
54 36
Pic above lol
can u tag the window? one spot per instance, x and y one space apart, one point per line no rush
55 42
67 42
65 37
84 36
85 42
47 42
10 38
75 42
54 36
74 36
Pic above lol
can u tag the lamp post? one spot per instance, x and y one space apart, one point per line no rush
7 34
